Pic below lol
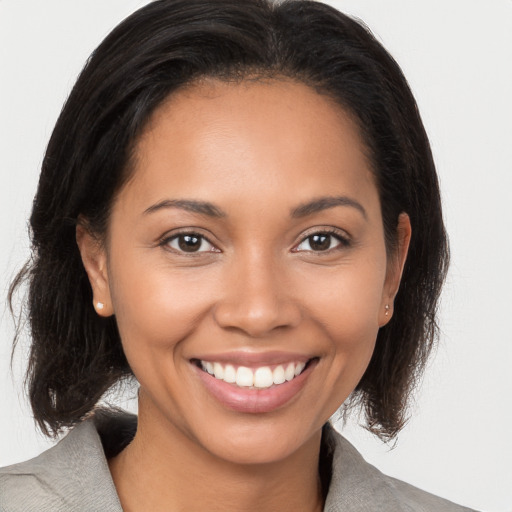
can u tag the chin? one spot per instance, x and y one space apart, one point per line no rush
261 441
258 450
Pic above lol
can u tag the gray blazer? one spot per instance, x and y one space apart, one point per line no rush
73 476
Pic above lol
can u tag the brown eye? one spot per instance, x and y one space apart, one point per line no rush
321 242
190 242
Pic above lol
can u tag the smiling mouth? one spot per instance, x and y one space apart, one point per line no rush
261 377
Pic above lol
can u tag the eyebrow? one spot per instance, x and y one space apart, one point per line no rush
303 210
324 203
190 205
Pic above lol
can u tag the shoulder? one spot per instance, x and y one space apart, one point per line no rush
418 500
62 478
360 487
415 499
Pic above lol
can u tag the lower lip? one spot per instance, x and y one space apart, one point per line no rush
249 400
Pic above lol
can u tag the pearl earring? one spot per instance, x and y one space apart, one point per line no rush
387 310
100 305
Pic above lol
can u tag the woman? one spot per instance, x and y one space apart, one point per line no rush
238 207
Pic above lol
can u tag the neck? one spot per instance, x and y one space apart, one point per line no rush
164 469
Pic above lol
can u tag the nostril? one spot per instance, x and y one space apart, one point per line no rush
256 317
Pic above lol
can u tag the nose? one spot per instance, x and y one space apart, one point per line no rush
257 299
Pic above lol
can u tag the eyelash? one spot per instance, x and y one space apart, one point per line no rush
165 242
343 242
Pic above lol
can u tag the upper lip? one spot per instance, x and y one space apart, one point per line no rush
254 359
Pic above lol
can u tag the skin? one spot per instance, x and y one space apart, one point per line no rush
257 151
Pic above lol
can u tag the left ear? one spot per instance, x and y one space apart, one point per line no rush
395 268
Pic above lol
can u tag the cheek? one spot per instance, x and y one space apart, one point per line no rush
351 326
347 300
346 306
156 306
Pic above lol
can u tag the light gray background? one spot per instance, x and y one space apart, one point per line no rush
457 55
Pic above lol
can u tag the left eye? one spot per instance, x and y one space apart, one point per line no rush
320 242
190 242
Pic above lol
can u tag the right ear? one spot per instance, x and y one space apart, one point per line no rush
94 259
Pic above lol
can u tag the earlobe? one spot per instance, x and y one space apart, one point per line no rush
94 259
395 268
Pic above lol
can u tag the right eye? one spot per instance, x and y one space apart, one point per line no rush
189 243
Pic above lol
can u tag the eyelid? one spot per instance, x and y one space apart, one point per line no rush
164 240
342 236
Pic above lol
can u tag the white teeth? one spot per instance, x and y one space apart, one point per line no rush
278 375
289 373
218 371
299 368
260 378
229 374
263 377
244 377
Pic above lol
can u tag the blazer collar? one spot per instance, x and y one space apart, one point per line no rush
76 472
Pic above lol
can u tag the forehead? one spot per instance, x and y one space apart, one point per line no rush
213 138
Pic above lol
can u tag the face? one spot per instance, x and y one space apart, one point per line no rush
246 266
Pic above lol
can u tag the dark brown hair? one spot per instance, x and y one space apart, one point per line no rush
76 356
